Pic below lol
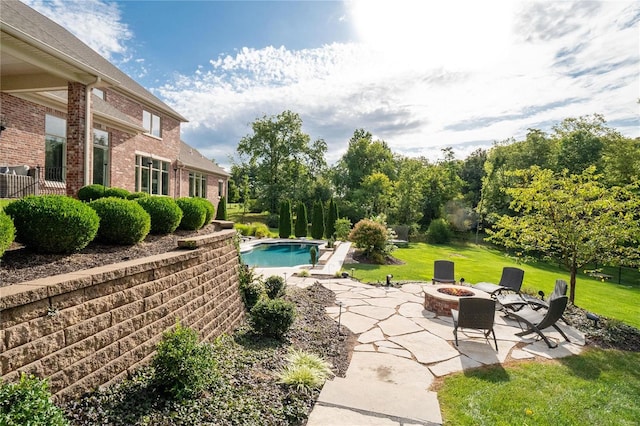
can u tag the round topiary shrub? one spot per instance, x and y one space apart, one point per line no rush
91 192
274 286
251 292
194 213
370 236
136 195
116 192
121 221
165 213
211 209
272 317
7 232
53 223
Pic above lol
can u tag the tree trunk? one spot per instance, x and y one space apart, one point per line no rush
572 283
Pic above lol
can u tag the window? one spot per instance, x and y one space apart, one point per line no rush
197 185
152 175
221 188
100 157
55 143
151 122
99 93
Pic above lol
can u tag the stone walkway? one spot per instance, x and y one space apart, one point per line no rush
403 348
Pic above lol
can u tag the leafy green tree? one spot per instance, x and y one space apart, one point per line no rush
284 228
580 142
471 173
332 216
317 221
301 220
572 218
376 192
408 191
284 158
442 184
621 159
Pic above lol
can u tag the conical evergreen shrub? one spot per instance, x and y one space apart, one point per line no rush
284 228
332 216
221 214
317 221
301 221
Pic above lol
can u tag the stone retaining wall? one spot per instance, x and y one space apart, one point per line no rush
94 327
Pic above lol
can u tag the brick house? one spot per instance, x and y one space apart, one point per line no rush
71 118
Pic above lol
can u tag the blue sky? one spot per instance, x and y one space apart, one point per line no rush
420 75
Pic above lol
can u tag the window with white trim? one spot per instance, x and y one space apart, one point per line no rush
151 122
197 185
98 92
100 157
152 175
221 188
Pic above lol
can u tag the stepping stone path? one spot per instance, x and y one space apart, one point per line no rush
402 348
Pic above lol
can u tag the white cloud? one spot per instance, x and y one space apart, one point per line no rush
98 23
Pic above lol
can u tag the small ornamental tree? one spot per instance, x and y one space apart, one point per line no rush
332 216
301 221
317 221
370 236
284 228
221 214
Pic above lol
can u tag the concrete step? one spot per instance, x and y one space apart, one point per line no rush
376 400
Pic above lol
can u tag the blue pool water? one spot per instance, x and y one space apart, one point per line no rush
274 255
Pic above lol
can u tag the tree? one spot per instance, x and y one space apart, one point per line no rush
283 157
376 192
572 218
332 216
301 220
408 191
317 221
284 228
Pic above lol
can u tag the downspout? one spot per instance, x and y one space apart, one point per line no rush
88 139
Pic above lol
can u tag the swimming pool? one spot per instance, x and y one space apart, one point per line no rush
281 254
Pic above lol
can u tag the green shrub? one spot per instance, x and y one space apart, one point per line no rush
317 221
7 232
117 193
91 192
260 230
194 213
284 226
439 232
370 236
165 213
121 221
136 195
28 402
243 229
313 252
251 288
272 317
221 214
274 286
273 220
53 223
302 223
211 210
183 367
342 229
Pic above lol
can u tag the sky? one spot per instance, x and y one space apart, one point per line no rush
422 76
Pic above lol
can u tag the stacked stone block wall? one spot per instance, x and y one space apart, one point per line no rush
94 327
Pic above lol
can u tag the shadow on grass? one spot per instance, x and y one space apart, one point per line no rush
493 374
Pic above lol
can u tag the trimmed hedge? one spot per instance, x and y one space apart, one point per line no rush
53 223
116 192
317 221
211 210
272 317
301 221
332 216
121 221
194 213
136 195
284 227
91 192
165 213
274 286
7 232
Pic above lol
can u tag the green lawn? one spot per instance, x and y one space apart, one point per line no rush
599 387
476 263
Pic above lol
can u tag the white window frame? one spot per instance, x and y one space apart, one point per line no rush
197 184
156 181
152 123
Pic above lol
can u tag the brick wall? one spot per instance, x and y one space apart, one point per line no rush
94 327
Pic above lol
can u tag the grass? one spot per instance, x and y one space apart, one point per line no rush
599 387
477 263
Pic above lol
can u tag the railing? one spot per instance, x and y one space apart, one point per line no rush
20 185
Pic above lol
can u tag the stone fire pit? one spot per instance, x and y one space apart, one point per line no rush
441 298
